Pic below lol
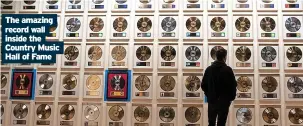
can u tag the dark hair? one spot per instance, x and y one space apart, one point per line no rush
221 54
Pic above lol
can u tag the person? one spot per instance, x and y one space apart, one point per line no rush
219 86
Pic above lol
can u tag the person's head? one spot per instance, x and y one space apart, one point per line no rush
221 55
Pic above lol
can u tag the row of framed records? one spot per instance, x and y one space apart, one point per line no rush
148 5
141 114
169 27
269 86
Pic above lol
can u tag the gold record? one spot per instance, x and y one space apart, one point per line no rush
269 84
43 111
167 83
69 82
116 113
3 81
244 84
141 113
268 24
143 53
120 24
192 114
118 53
95 53
96 24
243 53
67 112
167 114
144 24
192 83
193 24
142 83
294 54
295 116
242 24
168 53
91 112
20 111
93 82
218 24
71 53
270 115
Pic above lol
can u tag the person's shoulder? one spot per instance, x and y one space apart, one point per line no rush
228 68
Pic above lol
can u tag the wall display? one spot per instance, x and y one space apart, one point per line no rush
51 6
29 6
8 6
168 56
217 5
212 49
71 56
142 86
93 85
5 82
193 5
44 114
97 5
193 115
91 114
243 5
142 115
293 87
67 114
217 27
295 115
73 27
144 57
269 87
117 85
145 5
118 56
74 5
20 113
23 84
243 28
243 57
268 27
193 27
167 86
168 27
116 115
293 57
292 27
46 82
245 87
192 55
49 65
144 27
95 28
291 5
121 5
244 115
54 30
270 115
192 86
120 27
167 115
169 5
3 111
267 5
69 85
268 57
94 56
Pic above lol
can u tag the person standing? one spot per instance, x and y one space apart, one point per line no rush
219 86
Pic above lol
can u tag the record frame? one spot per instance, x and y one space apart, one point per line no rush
145 7
174 33
287 111
148 93
118 64
120 35
72 121
112 94
71 63
8 8
147 34
173 122
79 7
172 64
173 94
267 7
218 35
249 64
112 122
289 35
4 90
247 6
193 7
222 7
187 64
200 121
289 65
89 63
121 7
70 35
27 93
210 47
287 6
54 8
40 92
97 121
264 95
196 34
271 35
147 122
171 5
275 64
90 93
49 121
96 35
147 64
34 7
97 7
243 35
24 121
72 93
289 95
252 110
262 108
244 96
192 95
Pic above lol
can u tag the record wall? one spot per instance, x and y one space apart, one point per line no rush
167 45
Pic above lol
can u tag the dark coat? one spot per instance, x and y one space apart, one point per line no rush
219 83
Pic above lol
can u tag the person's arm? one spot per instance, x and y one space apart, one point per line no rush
233 83
204 83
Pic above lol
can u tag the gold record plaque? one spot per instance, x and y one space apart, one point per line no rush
243 54
69 83
269 85
93 83
167 84
91 114
244 85
67 113
94 54
118 54
141 114
167 115
142 84
116 113
71 53
20 112
192 84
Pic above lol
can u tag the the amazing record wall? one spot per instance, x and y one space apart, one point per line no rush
166 45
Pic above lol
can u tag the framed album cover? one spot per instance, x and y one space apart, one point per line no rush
117 85
23 84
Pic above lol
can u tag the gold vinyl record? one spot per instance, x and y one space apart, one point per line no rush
3 81
29 2
20 111
193 24
242 24
98 1
294 54
73 24
22 81
270 115
268 24
71 53
120 24
143 53
193 1
295 116
96 24
74 1
7 2
168 1
267 1
141 113
244 115
269 84
144 24
192 114
167 114
52 1
67 112
93 82
142 83
2 110
192 83
268 54
244 84
218 24
217 1
243 53
116 113
295 84
168 53
95 53
52 28
167 83
69 82
214 51
91 112
46 81
43 111
118 53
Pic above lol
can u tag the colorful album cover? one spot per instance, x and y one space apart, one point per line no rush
23 84
117 85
